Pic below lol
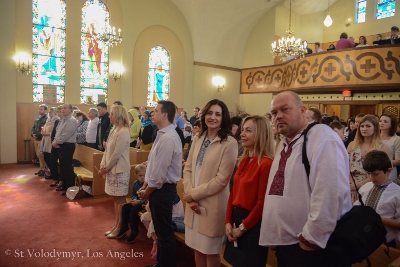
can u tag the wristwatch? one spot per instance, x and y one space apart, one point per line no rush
242 227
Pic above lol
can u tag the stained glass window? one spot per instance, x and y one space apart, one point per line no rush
94 53
48 50
361 11
385 8
158 75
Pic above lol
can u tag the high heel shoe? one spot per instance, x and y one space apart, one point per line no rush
109 231
113 234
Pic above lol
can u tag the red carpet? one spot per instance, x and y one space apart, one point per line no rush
39 227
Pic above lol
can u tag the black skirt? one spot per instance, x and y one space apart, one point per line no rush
248 252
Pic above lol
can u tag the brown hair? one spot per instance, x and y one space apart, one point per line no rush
393 123
226 124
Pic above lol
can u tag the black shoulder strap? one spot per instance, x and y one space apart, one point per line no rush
304 158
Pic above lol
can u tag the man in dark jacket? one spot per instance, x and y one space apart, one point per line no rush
36 133
102 127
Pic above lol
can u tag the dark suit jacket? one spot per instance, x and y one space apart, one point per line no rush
104 123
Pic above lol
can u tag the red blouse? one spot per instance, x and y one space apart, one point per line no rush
249 188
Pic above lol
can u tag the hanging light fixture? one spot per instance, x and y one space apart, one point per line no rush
328 20
108 35
289 46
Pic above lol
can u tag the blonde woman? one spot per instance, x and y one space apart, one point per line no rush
115 164
367 139
246 201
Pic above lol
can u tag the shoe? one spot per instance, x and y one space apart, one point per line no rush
110 236
64 193
109 232
122 232
55 183
154 265
132 237
47 177
60 188
40 173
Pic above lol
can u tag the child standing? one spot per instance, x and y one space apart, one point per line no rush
381 193
131 210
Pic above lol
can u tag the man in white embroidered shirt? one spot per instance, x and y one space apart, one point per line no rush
298 221
164 169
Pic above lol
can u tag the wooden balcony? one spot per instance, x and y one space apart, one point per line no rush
372 68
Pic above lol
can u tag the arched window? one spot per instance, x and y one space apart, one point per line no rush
94 53
158 75
385 8
361 8
48 50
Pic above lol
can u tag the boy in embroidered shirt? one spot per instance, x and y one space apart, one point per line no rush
381 193
131 210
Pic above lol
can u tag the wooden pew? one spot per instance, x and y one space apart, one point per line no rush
137 156
90 159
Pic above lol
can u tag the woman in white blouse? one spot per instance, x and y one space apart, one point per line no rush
115 164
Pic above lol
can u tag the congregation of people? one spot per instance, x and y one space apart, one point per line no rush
243 177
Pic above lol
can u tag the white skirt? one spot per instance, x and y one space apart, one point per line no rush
117 185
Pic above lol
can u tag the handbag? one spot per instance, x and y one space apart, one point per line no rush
76 192
358 233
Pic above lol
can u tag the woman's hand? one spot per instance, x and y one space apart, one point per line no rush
187 197
194 206
228 232
102 171
352 187
236 233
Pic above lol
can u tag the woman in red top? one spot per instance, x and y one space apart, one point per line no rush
246 201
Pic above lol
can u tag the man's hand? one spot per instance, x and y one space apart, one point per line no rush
305 247
135 202
145 194
34 136
55 145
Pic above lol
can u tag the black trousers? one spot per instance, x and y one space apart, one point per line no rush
248 252
47 158
65 154
161 201
293 255
54 164
129 211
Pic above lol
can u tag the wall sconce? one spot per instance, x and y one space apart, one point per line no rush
116 70
348 22
23 61
219 82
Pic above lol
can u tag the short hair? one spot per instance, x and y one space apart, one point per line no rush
360 116
119 103
75 108
121 115
317 43
268 115
317 116
140 168
376 160
43 106
343 123
94 111
198 109
197 123
295 96
394 28
393 122
59 107
54 109
237 120
137 108
83 114
102 104
264 141
335 125
343 35
69 105
168 107
380 35
226 124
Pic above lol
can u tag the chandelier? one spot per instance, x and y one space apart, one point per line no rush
328 20
289 46
108 35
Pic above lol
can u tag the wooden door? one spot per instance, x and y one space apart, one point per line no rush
366 109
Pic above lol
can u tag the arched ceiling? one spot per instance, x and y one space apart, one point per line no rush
224 25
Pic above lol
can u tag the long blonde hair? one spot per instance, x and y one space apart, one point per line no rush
264 139
121 115
376 137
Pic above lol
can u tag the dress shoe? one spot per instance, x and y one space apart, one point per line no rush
132 237
54 184
60 188
122 232
64 193
40 173
47 177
